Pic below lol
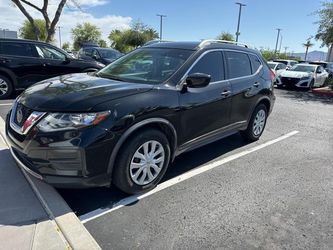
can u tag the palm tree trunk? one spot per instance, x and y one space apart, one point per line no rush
306 53
330 54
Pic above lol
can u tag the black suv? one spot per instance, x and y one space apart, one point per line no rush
25 62
102 55
128 121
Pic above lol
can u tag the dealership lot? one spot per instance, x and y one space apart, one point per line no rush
278 196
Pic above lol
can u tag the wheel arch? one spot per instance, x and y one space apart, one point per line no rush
7 73
160 123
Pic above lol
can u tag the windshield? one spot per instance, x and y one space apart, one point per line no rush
271 65
304 68
146 65
109 53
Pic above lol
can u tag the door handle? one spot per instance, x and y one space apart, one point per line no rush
226 93
256 84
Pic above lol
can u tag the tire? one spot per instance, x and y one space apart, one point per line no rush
6 87
311 86
130 169
255 130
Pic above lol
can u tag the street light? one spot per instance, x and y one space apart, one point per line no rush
239 17
161 24
277 40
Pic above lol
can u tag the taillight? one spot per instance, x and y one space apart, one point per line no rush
272 75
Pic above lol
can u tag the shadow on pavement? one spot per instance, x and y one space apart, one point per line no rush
85 200
303 95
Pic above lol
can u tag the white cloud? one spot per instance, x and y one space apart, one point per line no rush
12 18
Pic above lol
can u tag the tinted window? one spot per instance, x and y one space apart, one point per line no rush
238 64
17 49
255 63
211 64
88 52
49 53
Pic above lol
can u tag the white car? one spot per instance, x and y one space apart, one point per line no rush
277 68
289 63
303 76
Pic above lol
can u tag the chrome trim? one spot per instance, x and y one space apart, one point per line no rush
24 167
18 129
210 41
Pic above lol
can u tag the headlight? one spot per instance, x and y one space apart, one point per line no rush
66 121
305 78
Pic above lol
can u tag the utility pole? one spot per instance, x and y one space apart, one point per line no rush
59 27
285 49
239 17
280 44
277 40
161 24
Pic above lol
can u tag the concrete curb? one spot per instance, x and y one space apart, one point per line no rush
322 92
70 228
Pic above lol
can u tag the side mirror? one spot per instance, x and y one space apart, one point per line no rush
198 80
319 72
94 57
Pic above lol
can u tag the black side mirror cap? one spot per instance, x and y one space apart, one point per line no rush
197 80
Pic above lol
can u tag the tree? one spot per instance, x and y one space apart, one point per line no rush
102 43
27 30
226 36
86 32
66 46
50 25
325 29
132 38
307 45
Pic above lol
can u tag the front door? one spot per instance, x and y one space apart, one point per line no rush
206 109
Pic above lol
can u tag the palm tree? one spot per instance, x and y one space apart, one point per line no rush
226 36
307 45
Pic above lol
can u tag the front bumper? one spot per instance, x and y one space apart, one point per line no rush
294 82
64 163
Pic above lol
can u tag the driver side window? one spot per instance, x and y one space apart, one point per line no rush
50 53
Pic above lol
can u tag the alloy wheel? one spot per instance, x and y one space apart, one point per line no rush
3 87
147 162
259 122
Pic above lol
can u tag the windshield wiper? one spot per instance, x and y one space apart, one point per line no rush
111 77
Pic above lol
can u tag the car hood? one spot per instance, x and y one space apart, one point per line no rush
296 74
77 92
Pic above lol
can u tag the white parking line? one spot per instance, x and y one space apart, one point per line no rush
131 199
6 104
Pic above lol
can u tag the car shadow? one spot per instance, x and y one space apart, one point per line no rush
304 95
83 201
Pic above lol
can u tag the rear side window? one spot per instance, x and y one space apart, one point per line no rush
88 52
255 63
17 49
238 64
210 64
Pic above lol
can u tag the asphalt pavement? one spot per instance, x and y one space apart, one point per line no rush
278 196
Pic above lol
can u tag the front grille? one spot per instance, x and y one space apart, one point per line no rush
24 114
289 81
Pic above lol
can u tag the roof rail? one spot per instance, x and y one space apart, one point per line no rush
209 41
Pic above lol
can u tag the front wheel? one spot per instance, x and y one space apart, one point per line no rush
257 124
6 87
142 162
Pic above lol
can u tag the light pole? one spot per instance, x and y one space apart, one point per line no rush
280 44
59 27
161 24
239 17
277 40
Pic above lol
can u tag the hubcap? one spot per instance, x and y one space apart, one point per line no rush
147 162
259 122
3 87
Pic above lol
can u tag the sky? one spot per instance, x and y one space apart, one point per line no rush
190 19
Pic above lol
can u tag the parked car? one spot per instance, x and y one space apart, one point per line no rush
277 68
25 62
125 124
288 63
102 55
303 76
328 66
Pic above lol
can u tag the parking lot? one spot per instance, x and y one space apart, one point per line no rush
276 193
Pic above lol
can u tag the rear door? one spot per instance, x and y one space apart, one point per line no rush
243 72
22 59
206 109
